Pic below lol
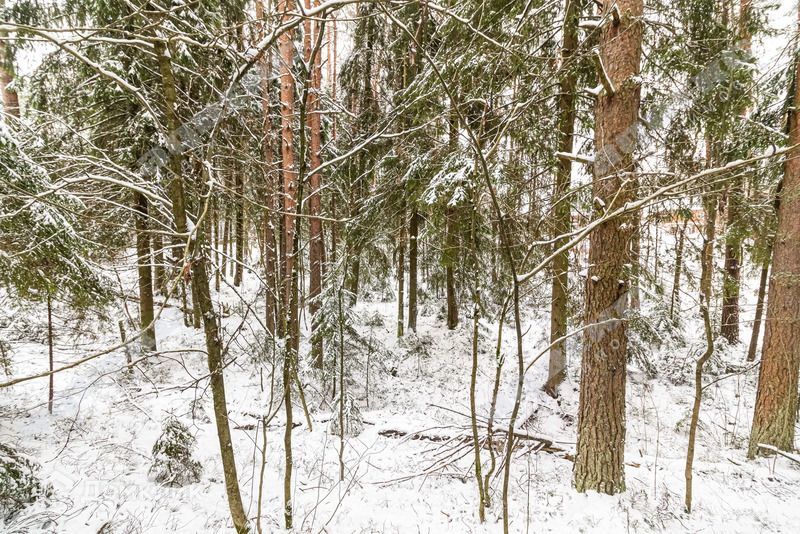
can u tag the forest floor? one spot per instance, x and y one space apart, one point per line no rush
95 449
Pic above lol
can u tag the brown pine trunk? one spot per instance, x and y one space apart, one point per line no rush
776 400
557 368
599 462
146 314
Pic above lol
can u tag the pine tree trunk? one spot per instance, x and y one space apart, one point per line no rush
413 276
401 272
601 415
271 197
729 327
451 252
762 293
776 400
238 181
675 296
146 314
557 368
317 243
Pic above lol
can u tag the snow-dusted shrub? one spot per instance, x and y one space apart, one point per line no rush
353 421
19 482
173 465
374 319
648 334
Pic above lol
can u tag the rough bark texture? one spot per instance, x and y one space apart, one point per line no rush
146 315
776 400
561 211
601 425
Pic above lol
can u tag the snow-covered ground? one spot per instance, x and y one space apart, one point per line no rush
95 449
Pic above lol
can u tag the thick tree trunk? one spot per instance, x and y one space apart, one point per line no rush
601 415
776 400
557 368
146 314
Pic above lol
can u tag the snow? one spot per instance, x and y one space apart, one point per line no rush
95 449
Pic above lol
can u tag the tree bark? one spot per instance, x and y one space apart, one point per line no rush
599 462
401 272
317 243
707 269
288 317
50 385
413 275
729 327
762 293
202 292
146 314
562 214
8 93
238 181
776 399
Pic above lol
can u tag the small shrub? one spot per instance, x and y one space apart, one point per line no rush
173 465
353 421
19 482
